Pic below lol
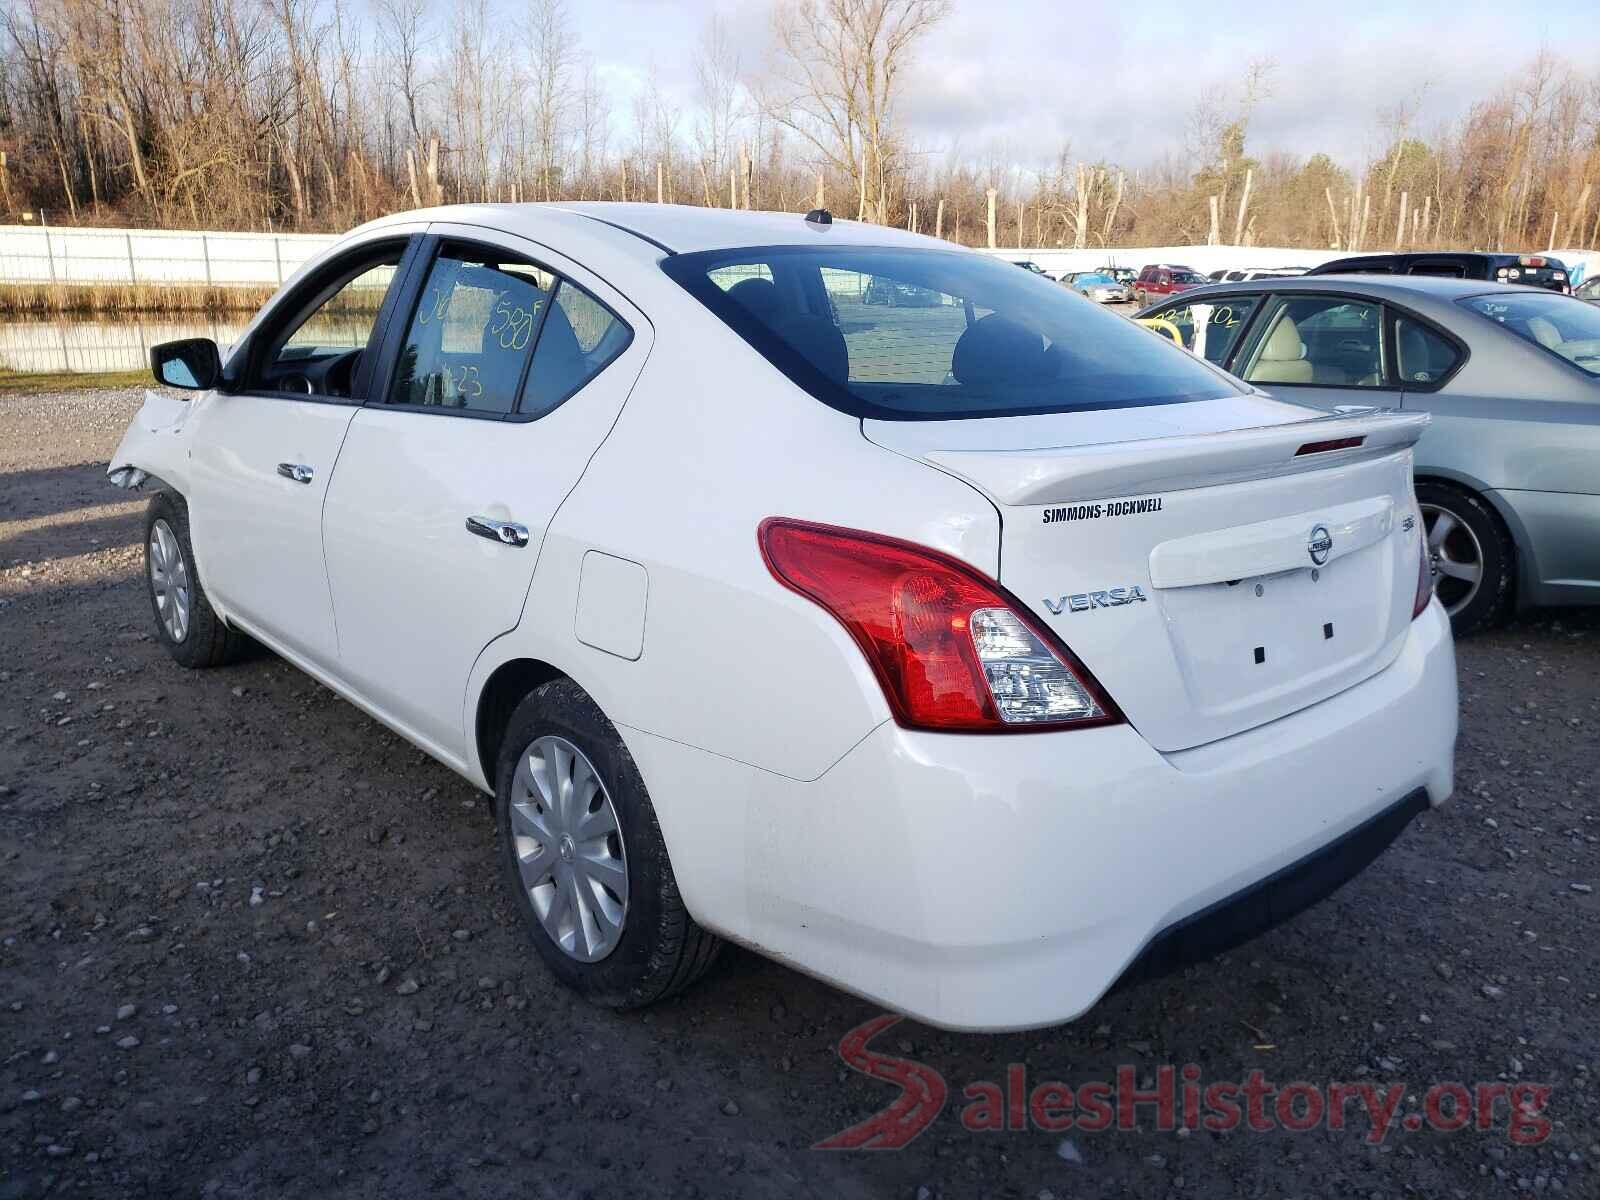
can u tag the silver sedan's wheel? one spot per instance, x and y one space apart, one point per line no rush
169 580
569 849
1456 556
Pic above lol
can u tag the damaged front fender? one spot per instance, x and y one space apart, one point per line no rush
157 443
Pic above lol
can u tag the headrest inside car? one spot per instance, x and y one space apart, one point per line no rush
998 350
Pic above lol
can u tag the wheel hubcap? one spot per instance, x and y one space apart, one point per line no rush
1455 555
569 850
169 581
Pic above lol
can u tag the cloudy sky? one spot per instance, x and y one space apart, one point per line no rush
1020 77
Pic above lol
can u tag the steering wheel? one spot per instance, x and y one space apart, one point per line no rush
338 375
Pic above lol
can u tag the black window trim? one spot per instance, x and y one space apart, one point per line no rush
431 246
304 300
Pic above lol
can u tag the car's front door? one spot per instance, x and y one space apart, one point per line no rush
504 374
265 450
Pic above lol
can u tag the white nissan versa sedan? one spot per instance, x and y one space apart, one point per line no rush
972 654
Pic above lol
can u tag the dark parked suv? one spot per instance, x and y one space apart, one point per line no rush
1533 270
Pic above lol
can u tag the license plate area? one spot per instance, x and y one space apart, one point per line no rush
1252 641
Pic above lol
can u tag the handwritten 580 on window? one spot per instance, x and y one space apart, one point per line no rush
472 334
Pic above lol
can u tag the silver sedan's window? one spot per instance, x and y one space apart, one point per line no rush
1565 327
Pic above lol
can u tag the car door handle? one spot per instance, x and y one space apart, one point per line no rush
298 472
507 533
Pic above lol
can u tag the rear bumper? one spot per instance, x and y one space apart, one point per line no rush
1268 902
1008 882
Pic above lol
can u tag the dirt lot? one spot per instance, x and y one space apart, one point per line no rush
253 945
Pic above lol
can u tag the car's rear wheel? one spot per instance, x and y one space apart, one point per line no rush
190 629
1471 553
585 858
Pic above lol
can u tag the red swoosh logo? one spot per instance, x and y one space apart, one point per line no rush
921 1099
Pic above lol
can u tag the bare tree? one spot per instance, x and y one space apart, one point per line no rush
551 48
716 68
836 77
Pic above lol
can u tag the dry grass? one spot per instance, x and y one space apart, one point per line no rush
39 299
23 382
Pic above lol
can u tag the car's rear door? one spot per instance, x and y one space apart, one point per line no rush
263 453
504 372
1320 349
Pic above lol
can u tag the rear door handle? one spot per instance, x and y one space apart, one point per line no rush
298 472
507 533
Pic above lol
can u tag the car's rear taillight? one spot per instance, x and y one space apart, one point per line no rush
1424 581
950 648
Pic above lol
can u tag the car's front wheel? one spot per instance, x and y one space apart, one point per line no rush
1471 553
186 624
585 858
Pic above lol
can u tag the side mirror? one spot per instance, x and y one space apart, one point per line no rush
192 363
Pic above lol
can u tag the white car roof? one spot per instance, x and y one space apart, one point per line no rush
679 228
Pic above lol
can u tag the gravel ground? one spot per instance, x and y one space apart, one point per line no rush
251 944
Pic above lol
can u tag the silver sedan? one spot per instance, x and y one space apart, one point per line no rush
1100 287
1508 473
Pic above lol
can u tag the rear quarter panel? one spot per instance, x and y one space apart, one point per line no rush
1523 430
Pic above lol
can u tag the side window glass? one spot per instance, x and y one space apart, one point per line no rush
1324 341
1211 328
1421 355
315 355
344 321
579 338
472 334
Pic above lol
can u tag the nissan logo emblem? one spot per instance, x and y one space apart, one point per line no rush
1320 544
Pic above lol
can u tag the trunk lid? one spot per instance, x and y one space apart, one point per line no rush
1214 564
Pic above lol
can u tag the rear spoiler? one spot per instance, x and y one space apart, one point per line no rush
1061 476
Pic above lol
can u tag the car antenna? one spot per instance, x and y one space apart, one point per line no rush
819 219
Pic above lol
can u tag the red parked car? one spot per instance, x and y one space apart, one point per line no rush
1162 280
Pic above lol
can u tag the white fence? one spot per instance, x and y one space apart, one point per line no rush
1204 259
87 256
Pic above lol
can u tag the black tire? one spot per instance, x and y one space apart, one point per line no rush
661 950
206 640
1479 530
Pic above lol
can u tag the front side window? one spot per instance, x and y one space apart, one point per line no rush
1211 327
312 346
1566 327
914 334
472 334
1324 341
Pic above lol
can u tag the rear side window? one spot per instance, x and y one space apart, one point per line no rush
1421 354
1325 341
1565 327
579 338
914 334
495 335
472 334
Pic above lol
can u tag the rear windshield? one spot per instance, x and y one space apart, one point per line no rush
911 334
1560 324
